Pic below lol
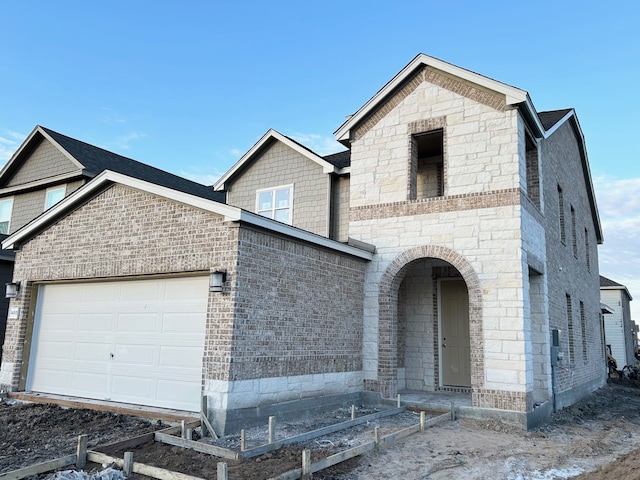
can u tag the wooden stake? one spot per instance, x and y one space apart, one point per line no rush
272 429
306 464
376 433
189 433
353 412
453 412
422 418
222 471
242 440
183 428
398 400
127 468
81 451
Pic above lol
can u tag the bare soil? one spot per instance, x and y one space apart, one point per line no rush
595 439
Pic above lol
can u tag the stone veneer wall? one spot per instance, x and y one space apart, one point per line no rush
475 226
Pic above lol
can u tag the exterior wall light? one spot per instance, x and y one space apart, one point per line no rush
216 280
12 289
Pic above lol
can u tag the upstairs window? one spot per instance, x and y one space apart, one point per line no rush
533 175
53 196
572 349
563 232
427 158
276 203
6 206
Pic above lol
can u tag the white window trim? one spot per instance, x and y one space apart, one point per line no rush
273 189
10 211
53 189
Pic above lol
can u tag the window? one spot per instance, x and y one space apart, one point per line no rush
583 324
276 203
6 206
54 195
563 233
570 329
427 158
533 176
586 248
574 234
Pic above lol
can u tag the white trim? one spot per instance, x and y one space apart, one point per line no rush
231 214
42 182
513 95
273 190
10 211
559 123
272 134
53 189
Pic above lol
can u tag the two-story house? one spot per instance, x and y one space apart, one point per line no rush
443 251
619 329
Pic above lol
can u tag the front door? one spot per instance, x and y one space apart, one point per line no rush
454 336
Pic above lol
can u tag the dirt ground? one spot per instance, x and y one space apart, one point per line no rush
595 439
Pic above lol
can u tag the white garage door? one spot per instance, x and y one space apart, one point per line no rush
137 341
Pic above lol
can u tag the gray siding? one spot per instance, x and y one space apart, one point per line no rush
27 206
280 165
45 161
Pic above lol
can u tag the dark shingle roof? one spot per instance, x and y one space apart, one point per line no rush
550 118
606 282
340 159
96 160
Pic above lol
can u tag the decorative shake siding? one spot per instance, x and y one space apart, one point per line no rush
280 165
45 161
27 206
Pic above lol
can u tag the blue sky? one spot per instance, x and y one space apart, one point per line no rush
190 86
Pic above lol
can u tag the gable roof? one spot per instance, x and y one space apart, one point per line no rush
608 284
92 160
264 142
513 95
231 214
340 159
550 118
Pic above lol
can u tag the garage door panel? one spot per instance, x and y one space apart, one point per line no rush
92 292
154 328
95 322
140 323
135 355
92 351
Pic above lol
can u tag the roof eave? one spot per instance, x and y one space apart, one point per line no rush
271 135
513 95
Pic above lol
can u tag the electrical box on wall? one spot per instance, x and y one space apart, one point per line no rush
557 356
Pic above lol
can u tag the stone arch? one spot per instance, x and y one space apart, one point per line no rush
388 306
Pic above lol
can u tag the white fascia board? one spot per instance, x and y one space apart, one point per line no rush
17 153
289 231
272 134
513 95
42 182
106 177
232 214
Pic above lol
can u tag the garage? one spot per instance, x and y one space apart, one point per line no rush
132 341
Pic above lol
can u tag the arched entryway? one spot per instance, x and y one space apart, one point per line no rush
430 326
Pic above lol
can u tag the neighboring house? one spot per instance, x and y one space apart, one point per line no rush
620 330
438 253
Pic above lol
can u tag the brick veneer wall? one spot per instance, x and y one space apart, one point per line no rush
568 274
125 232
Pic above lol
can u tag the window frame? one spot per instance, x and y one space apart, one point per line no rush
51 190
273 209
7 199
